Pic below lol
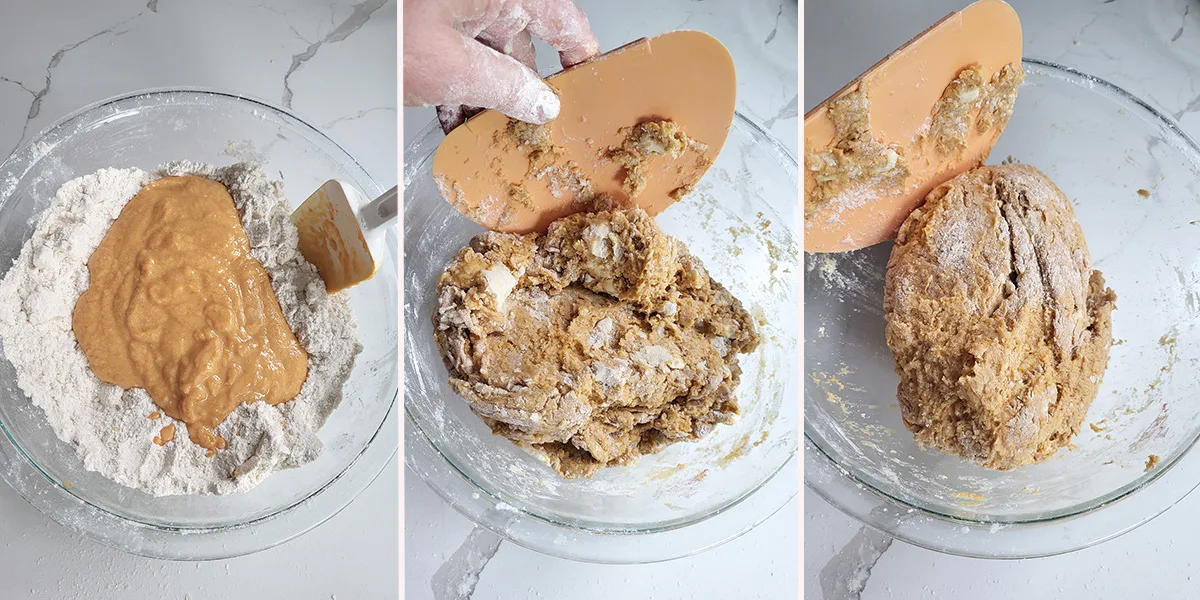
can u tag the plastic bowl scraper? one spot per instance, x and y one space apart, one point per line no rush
684 76
903 90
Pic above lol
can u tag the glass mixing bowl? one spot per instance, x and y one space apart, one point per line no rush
691 496
144 130
1105 149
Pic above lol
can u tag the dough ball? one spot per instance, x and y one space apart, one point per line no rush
999 327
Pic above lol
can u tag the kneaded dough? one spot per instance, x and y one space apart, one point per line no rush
999 327
600 341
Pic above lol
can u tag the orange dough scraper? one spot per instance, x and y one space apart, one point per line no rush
684 76
903 89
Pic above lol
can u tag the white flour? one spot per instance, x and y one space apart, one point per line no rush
108 427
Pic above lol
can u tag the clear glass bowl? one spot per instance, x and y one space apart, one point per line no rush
689 497
143 130
1101 145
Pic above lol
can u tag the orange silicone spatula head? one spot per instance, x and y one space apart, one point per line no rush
337 229
904 90
684 76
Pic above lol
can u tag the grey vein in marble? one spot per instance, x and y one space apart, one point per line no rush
35 107
687 20
1087 26
775 29
358 115
361 14
38 96
789 111
152 6
457 577
18 84
1182 22
284 14
1191 106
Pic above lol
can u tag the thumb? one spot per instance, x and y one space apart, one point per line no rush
504 84
507 85
446 67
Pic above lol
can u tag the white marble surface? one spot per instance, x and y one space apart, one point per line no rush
762 36
1152 49
338 60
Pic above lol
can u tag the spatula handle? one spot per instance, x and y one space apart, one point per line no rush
380 212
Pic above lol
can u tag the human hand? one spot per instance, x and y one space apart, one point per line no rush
467 55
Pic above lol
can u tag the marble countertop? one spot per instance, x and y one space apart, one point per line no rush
1150 48
762 36
334 65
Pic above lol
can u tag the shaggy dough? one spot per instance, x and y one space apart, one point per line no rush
600 341
951 118
855 156
998 325
647 140
969 94
999 97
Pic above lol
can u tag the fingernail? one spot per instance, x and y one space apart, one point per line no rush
547 105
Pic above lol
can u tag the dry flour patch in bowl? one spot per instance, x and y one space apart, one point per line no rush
109 427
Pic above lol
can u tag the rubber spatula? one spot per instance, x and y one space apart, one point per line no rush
684 76
338 228
903 89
